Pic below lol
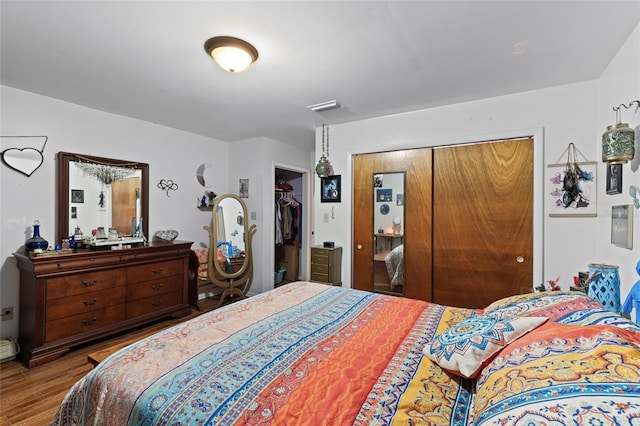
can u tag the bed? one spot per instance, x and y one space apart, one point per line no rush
310 354
395 268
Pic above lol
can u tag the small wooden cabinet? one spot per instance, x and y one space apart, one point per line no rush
72 298
326 265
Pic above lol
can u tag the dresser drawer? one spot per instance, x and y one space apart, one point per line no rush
151 288
88 321
318 256
84 283
317 276
154 271
71 264
154 303
81 303
319 268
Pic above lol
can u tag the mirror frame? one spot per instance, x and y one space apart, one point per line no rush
63 190
246 238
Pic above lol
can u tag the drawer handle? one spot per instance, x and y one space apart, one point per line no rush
156 304
156 271
89 303
89 283
156 287
93 321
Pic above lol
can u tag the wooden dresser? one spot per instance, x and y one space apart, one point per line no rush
326 265
72 298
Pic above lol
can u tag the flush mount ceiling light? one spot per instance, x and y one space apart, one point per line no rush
230 53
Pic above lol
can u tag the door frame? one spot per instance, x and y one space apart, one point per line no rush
306 200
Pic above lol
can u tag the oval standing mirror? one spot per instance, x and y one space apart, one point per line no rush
230 263
231 235
388 232
104 194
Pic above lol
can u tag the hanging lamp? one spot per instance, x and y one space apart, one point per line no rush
324 167
619 139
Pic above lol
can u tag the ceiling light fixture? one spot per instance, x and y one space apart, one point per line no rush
324 106
230 53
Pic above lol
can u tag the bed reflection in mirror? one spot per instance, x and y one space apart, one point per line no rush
388 232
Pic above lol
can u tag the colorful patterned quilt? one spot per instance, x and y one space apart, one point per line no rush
311 354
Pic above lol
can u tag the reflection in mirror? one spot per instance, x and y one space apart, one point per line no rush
388 232
230 228
102 194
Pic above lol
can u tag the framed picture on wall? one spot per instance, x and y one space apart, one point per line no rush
577 200
77 195
622 226
614 178
331 189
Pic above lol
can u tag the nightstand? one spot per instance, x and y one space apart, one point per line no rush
326 265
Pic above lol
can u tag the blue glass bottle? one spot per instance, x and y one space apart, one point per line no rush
36 244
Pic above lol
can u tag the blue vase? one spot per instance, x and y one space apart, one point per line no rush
36 243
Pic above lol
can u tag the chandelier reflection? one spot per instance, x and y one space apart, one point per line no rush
103 172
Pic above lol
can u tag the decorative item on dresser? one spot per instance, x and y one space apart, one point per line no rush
326 265
74 297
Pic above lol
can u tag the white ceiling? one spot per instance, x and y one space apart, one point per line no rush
145 59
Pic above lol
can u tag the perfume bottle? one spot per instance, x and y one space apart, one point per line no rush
36 244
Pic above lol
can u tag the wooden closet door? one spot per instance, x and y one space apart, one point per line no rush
416 163
124 204
482 222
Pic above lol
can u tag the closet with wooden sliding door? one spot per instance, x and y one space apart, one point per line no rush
468 220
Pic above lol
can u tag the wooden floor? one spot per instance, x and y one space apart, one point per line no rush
31 396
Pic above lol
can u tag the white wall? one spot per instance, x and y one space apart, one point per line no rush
257 159
575 113
620 83
171 154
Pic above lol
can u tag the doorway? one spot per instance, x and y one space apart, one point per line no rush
290 240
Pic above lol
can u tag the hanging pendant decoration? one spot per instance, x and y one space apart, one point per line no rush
324 167
618 142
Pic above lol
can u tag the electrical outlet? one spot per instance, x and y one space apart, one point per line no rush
7 313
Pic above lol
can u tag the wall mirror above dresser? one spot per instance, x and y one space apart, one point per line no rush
106 194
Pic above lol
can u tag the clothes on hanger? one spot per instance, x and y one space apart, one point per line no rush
287 214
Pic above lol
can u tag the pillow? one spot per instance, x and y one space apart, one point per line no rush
551 304
558 372
465 348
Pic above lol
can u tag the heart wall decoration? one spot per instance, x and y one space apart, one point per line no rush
23 160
